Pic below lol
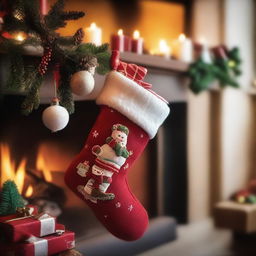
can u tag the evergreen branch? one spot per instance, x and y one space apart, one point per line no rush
66 97
103 59
64 90
16 74
90 48
72 15
65 40
12 25
56 9
53 20
102 48
32 100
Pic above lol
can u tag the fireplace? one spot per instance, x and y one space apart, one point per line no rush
39 158
159 176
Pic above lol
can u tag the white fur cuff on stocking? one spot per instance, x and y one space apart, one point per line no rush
133 101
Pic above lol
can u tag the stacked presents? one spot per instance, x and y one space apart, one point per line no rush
35 235
28 233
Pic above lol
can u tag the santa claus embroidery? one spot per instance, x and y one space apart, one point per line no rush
110 158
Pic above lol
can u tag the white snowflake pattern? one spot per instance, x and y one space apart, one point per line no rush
130 208
95 134
131 152
142 136
126 166
118 205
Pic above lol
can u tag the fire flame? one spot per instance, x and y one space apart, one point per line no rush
8 170
17 173
41 165
29 191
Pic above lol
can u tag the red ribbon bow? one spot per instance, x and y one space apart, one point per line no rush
132 71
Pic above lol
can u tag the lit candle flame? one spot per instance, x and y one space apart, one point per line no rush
93 25
163 47
120 32
20 37
182 37
136 34
202 40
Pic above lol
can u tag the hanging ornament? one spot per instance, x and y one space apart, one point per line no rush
82 82
55 117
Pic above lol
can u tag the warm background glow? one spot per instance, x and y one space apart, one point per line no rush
154 19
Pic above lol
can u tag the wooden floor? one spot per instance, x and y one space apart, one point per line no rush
202 239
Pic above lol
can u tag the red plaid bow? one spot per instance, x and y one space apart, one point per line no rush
132 71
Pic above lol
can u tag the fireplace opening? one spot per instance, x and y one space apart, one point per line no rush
37 159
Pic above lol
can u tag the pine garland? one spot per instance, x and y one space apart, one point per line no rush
67 52
10 198
223 70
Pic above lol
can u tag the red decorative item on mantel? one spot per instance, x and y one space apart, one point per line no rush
43 7
137 43
118 41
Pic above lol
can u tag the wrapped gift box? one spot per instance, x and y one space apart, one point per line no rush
48 245
235 216
33 210
19 229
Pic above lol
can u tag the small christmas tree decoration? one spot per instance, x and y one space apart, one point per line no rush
82 83
55 117
10 198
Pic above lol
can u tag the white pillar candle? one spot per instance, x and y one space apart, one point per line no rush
164 49
93 34
185 49
205 53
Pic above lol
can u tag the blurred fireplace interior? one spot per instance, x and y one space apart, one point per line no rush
162 192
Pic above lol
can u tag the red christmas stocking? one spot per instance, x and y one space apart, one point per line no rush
130 115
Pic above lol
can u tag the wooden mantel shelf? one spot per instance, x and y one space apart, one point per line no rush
150 61
155 62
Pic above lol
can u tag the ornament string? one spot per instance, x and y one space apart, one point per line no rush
56 77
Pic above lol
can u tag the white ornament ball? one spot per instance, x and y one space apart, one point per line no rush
55 118
82 83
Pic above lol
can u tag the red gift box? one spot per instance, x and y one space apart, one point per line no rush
20 229
32 210
48 245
